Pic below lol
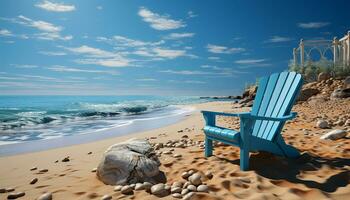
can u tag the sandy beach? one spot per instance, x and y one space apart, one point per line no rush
322 172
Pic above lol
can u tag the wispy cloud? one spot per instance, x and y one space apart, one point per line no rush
60 68
48 30
55 7
25 66
5 32
175 36
277 39
147 79
159 22
213 58
250 61
187 81
169 53
191 14
122 41
223 49
310 25
52 53
99 57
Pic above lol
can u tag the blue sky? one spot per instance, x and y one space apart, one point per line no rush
180 47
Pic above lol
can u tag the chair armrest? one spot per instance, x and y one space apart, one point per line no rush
225 114
283 118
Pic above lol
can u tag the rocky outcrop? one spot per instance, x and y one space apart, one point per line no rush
340 93
129 162
323 76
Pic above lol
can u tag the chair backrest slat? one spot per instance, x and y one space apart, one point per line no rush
275 98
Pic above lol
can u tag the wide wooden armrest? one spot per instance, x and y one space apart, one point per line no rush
283 118
225 114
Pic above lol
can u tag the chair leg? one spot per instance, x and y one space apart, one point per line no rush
244 159
208 147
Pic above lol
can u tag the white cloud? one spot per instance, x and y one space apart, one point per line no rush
175 36
53 36
223 50
159 22
60 68
250 61
127 42
25 66
310 25
41 25
55 7
99 57
277 39
5 32
213 58
146 79
191 14
168 53
52 53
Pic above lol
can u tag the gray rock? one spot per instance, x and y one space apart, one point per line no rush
195 179
188 196
106 197
187 183
33 181
126 189
340 93
209 175
323 76
147 186
192 188
322 124
306 93
334 135
177 184
139 186
203 188
185 175
16 195
159 190
128 162
176 190
176 195
46 196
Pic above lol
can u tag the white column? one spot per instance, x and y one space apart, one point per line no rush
348 49
301 47
295 56
335 50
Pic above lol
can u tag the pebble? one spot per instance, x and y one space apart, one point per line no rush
10 189
43 170
147 186
15 195
33 168
46 196
33 181
185 175
118 188
66 159
127 189
159 190
203 188
209 175
192 188
184 191
188 196
334 135
177 184
176 190
2 190
322 124
94 170
167 152
139 186
177 156
89 153
186 184
106 197
132 185
176 195
195 179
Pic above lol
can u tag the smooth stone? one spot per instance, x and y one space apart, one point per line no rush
334 135
188 196
177 184
159 190
46 196
176 190
2 190
16 195
177 156
322 124
184 191
118 188
94 169
192 188
10 189
127 189
176 195
33 168
203 188
106 197
33 181
195 179
89 153
147 186
139 186
167 152
209 175
43 170
66 159
186 184
190 172
185 175
132 185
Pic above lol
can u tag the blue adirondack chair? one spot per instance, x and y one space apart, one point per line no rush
260 129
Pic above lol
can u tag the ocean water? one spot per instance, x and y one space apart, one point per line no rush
28 118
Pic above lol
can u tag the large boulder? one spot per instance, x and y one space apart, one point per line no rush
340 93
306 93
129 162
323 76
250 92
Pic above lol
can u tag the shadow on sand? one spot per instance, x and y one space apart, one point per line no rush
280 168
